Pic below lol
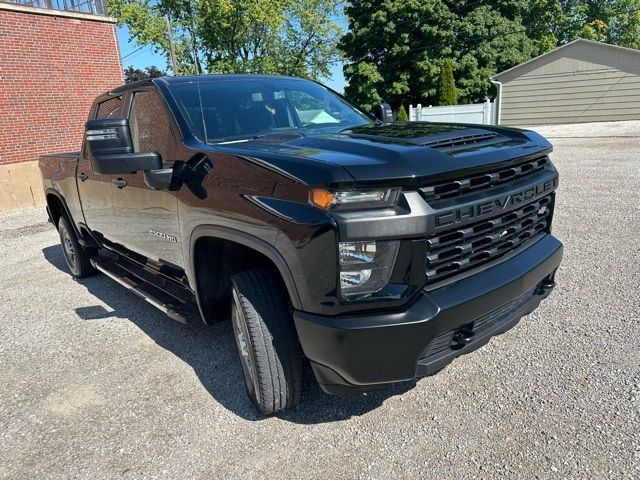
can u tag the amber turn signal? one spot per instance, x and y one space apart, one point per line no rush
321 198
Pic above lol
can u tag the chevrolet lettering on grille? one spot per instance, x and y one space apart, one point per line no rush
494 206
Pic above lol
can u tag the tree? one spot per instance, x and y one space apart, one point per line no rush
447 93
490 39
134 74
290 37
402 116
395 49
555 22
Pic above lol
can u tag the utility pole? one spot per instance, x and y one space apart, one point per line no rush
172 49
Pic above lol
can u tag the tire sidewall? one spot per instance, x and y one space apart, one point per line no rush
238 321
274 352
67 234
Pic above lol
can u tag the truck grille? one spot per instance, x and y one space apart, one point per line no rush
460 249
483 180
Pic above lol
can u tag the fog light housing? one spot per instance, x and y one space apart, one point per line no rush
357 252
365 267
354 279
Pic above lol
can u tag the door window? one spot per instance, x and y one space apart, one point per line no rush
150 128
109 108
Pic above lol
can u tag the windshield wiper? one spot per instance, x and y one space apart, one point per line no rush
249 138
238 140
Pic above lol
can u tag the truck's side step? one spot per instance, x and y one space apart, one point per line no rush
179 305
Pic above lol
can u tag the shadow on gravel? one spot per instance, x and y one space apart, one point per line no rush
211 352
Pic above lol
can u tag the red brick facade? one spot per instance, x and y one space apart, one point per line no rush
51 69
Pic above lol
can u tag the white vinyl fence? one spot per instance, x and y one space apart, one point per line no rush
482 113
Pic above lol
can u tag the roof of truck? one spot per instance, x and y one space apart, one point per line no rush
197 78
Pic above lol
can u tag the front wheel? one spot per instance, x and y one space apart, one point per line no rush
74 254
266 341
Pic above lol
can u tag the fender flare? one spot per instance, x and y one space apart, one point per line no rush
88 240
250 241
55 193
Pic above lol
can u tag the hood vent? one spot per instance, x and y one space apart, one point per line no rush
471 137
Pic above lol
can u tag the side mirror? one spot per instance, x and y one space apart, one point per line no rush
383 113
110 148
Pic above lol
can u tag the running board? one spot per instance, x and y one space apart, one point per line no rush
176 308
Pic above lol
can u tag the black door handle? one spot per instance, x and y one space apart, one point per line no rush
82 177
120 183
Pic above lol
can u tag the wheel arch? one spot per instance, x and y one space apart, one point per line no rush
245 242
56 207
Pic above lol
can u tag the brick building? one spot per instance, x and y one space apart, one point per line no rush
54 59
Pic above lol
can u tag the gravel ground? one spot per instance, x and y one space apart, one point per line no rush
95 383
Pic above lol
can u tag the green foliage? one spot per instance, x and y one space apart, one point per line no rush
402 44
555 22
289 37
365 81
402 116
447 92
395 48
134 74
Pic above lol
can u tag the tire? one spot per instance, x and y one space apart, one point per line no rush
75 255
266 340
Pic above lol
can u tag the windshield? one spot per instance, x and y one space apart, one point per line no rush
228 109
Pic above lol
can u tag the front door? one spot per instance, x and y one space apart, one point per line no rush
95 189
148 218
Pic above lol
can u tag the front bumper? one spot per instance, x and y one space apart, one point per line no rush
366 352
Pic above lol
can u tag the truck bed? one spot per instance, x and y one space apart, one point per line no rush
59 179
65 155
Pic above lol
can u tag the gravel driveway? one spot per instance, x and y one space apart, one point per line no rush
94 383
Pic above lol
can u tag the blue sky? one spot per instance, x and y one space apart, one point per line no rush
145 57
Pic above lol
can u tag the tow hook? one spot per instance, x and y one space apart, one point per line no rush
462 337
545 285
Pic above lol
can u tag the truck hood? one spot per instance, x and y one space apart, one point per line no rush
398 153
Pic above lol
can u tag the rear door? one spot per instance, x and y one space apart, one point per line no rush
147 218
96 190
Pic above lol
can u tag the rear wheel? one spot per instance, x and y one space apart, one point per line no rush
266 341
75 255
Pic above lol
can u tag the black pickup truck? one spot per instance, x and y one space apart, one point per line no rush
379 251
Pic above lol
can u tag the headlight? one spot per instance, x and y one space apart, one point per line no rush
365 267
354 199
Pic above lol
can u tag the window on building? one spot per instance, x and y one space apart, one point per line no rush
109 108
149 125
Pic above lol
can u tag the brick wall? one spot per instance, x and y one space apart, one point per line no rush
51 68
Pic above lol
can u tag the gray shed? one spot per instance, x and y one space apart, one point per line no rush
582 81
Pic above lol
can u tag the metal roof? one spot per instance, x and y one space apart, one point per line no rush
592 43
